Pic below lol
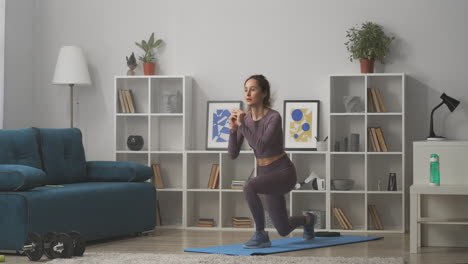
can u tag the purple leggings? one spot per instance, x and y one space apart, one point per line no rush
274 181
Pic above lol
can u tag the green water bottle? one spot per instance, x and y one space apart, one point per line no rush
434 170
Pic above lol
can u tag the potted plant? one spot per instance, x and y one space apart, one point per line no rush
148 59
367 44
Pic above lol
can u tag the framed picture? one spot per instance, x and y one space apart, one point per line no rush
217 125
300 124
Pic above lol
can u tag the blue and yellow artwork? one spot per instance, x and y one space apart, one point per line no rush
221 125
300 128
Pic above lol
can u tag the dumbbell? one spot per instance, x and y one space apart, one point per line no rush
34 247
58 245
79 244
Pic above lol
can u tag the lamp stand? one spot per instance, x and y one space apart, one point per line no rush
71 104
432 135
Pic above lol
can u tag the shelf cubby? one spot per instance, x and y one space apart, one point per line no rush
352 205
341 86
139 90
234 204
171 168
378 169
389 208
391 89
131 126
240 168
310 202
199 169
171 208
202 205
166 133
351 167
309 163
167 95
343 126
391 126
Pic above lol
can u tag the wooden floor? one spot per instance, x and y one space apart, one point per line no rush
175 240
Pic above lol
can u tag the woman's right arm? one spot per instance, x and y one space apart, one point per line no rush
235 143
235 138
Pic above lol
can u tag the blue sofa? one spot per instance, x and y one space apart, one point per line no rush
46 185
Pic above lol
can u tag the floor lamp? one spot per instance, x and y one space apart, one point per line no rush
71 69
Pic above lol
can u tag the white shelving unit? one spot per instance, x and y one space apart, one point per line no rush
186 171
164 135
365 167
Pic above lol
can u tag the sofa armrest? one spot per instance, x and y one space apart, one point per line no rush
20 177
117 171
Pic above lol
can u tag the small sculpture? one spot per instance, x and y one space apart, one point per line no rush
131 63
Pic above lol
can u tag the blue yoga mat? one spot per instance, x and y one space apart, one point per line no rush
283 245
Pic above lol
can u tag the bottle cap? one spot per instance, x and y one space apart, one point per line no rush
434 158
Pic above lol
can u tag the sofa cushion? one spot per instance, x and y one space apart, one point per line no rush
119 171
20 178
19 146
63 157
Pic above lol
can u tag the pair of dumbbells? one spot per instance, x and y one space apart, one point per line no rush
54 245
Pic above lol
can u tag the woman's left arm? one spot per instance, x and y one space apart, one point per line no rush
260 142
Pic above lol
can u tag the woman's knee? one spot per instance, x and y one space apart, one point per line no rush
283 231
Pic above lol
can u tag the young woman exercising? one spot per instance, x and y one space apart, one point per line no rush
276 174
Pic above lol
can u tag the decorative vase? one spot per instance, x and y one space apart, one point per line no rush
135 142
367 66
149 68
131 71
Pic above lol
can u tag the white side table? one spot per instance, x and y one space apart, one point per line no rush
415 210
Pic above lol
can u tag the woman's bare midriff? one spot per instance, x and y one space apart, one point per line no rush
269 160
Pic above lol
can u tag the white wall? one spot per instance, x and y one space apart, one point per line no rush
20 54
296 44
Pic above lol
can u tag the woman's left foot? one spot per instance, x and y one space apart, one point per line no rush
309 232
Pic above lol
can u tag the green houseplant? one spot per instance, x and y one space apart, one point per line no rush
148 58
367 44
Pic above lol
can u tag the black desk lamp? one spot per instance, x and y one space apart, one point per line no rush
451 104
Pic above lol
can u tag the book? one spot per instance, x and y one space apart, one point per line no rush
377 217
381 139
376 100
380 100
158 214
157 177
122 103
370 104
215 184
345 218
129 102
124 96
340 220
376 140
212 175
132 100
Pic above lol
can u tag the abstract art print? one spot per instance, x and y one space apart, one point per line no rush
301 124
218 113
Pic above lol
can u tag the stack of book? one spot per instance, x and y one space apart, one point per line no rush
241 222
205 222
158 214
157 178
374 216
375 100
377 139
342 219
238 184
127 104
213 183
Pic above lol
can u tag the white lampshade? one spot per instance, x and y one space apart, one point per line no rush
71 67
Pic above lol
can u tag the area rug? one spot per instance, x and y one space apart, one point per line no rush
146 258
